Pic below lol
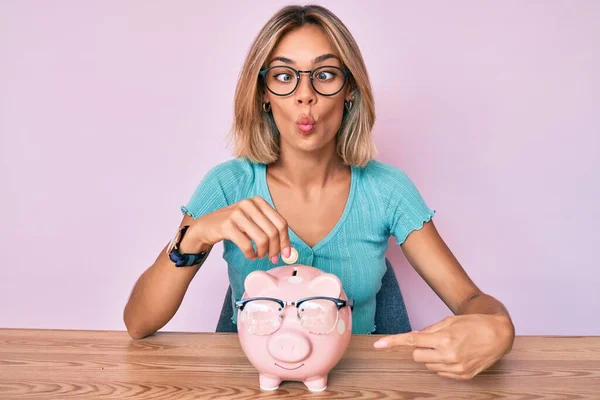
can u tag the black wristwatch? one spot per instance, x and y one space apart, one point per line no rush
183 259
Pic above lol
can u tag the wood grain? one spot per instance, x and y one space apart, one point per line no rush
49 364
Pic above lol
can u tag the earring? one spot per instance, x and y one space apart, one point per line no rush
266 107
349 104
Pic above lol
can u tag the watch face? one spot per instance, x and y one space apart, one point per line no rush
173 241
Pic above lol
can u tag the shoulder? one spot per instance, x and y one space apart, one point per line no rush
232 177
404 206
387 177
234 169
224 184
395 188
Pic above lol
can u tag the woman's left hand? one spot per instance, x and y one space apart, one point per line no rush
460 346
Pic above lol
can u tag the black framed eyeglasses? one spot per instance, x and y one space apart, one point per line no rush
283 80
317 314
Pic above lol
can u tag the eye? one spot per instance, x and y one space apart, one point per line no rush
325 75
283 77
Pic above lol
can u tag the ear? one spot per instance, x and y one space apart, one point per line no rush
326 285
349 91
257 282
348 95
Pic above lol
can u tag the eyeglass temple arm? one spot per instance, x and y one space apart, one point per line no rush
350 303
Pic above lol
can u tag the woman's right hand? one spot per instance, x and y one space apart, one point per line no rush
250 219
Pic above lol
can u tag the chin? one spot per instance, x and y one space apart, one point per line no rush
310 142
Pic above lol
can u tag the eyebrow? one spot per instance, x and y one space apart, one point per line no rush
315 61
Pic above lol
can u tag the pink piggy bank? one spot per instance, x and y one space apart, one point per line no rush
294 324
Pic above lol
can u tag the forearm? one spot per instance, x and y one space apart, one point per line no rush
156 296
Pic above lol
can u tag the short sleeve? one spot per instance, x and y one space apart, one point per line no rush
407 210
220 187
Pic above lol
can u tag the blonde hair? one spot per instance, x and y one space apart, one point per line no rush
254 132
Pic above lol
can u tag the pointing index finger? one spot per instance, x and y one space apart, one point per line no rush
409 339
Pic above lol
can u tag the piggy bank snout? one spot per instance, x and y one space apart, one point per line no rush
289 347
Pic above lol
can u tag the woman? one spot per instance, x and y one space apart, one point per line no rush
305 179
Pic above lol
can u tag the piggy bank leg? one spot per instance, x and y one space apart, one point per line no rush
316 384
269 382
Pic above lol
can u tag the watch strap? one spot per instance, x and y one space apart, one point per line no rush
185 259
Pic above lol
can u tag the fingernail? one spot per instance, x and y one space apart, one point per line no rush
274 259
380 344
253 258
287 251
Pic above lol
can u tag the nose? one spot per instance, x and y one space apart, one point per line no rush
305 94
289 347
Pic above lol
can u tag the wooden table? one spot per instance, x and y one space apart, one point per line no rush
38 364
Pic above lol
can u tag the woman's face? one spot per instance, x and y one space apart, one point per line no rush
306 120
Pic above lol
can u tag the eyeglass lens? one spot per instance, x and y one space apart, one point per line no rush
263 317
283 80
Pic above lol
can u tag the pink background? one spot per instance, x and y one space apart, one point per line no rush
112 111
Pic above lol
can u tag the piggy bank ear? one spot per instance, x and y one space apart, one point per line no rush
326 285
258 281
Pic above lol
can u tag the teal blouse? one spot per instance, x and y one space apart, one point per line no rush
383 201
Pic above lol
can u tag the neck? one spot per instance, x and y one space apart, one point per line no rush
308 169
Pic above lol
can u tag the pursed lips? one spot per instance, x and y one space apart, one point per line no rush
289 369
305 123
